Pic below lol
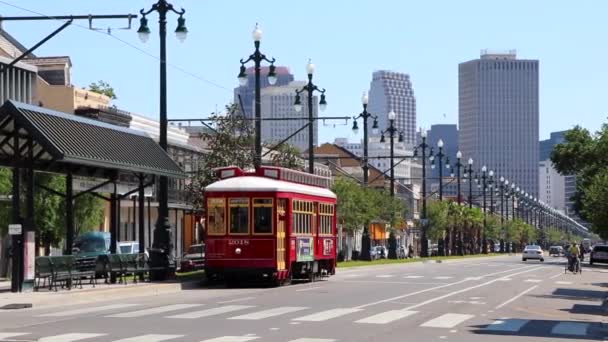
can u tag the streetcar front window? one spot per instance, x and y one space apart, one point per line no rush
239 215
262 215
216 216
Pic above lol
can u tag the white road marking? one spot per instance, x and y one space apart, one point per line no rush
475 298
327 314
532 280
557 275
465 290
152 311
570 328
563 282
392 282
270 313
11 334
89 309
150 338
309 289
274 329
413 277
236 300
508 324
473 278
69 337
232 339
386 317
448 320
392 299
211 312
313 340
505 279
443 277
385 276
516 297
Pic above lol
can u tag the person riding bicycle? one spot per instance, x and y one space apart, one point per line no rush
574 255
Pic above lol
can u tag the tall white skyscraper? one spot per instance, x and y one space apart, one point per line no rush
392 91
277 102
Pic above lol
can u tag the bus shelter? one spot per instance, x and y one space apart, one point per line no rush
35 139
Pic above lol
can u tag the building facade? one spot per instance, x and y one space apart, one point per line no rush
551 186
246 95
545 147
277 102
449 135
393 91
499 116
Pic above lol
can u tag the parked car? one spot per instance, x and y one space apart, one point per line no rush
193 259
90 249
127 247
556 251
532 252
599 253
381 252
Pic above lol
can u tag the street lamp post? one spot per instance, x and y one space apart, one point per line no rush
391 130
439 156
502 212
470 174
365 115
423 237
458 167
365 239
257 57
310 88
162 246
484 244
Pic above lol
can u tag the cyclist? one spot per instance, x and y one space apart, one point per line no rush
574 255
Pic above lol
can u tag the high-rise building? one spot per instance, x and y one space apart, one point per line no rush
546 146
551 186
247 93
277 102
393 91
449 135
498 116
565 185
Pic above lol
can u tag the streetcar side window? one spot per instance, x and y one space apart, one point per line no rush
216 216
303 213
326 213
262 215
239 216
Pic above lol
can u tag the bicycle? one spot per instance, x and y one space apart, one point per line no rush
573 265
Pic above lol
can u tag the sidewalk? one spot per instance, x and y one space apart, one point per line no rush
88 294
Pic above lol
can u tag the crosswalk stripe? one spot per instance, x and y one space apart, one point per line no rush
413 277
305 339
443 277
385 276
150 338
386 317
563 282
211 312
270 313
232 339
90 309
327 314
11 334
507 325
533 280
570 328
152 311
448 320
69 337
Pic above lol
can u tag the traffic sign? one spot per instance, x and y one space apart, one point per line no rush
14 229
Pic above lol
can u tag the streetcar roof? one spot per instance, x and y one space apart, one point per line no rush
261 184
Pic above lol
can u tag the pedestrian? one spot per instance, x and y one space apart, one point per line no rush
410 252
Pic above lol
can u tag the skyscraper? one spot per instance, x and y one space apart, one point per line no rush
247 93
449 135
546 146
498 116
277 102
392 91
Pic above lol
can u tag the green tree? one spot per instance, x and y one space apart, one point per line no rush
352 213
437 213
104 88
88 213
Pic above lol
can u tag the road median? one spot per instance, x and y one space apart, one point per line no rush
384 262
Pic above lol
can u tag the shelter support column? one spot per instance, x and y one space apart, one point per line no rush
69 213
16 250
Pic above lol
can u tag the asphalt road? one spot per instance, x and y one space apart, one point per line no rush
491 299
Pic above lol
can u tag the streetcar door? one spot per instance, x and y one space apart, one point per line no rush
281 236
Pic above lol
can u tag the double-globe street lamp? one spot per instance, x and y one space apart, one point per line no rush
365 239
257 57
441 158
424 242
310 88
391 130
162 246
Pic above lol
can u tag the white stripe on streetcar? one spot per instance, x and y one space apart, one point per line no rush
270 313
327 314
507 325
570 328
232 339
152 311
448 320
211 312
90 309
150 338
386 317
69 337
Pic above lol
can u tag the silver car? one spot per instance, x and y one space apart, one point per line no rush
532 252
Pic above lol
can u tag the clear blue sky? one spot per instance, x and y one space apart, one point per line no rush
347 40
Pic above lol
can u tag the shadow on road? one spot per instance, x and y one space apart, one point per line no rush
585 309
544 328
575 294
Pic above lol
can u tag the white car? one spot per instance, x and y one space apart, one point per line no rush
532 252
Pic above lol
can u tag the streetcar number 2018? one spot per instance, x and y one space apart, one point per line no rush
238 242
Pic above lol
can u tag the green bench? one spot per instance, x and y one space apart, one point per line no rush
138 264
61 270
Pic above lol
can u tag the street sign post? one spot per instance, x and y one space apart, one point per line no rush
14 229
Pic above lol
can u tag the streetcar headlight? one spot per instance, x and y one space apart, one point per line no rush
237 251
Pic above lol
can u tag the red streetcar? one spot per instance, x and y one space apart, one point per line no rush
272 223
